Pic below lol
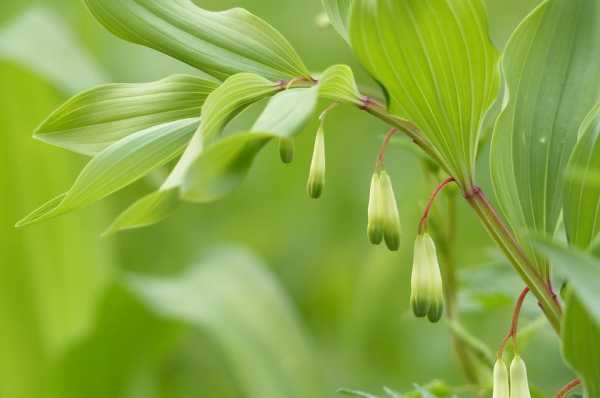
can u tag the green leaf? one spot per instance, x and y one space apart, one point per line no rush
224 165
218 43
95 119
581 345
582 193
231 296
354 393
338 12
233 96
119 165
337 83
551 68
581 269
438 65
148 210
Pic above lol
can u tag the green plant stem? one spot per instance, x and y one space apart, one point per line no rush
488 215
515 253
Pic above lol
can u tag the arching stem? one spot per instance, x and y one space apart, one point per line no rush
514 326
568 388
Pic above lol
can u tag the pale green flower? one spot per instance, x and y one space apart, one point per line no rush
501 387
391 218
316 177
427 295
519 386
375 211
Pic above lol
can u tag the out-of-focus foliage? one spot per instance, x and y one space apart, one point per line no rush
71 328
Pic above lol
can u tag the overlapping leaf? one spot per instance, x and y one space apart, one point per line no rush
581 323
230 296
582 186
338 12
438 65
95 119
337 83
218 43
551 67
119 165
223 166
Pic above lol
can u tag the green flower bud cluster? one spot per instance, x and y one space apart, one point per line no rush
427 295
383 217
518 386
316 176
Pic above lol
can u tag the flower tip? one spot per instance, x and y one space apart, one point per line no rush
436 310
286 150
519 385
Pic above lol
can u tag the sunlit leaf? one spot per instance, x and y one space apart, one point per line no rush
582 196
337 83
94 119
231 296
438 65
218 43
551 68
338 12
224 165
119 165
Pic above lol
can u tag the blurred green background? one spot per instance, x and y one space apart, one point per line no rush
264 294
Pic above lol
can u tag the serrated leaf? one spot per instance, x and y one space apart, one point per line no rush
119 165
95 119
581 345
224 165
337 83
582 194
230 296
338 12
551 68
438 66
218 43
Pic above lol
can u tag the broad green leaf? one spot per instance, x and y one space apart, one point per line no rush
551 68
438 66
582 195
95 119
119 165
41 41
230 296
218 43
581 345
337 83
338 12
224 165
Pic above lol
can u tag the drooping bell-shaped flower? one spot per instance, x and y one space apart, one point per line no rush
427 295
390 216
316 177
501 386
375 222
286 150
519 386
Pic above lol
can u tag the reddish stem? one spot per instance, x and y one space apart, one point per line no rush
568 388
434 194
514 326
386 142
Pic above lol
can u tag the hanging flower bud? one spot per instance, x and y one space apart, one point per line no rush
391 218
375 212
427 296
519 386
286 150
501 388
316 177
